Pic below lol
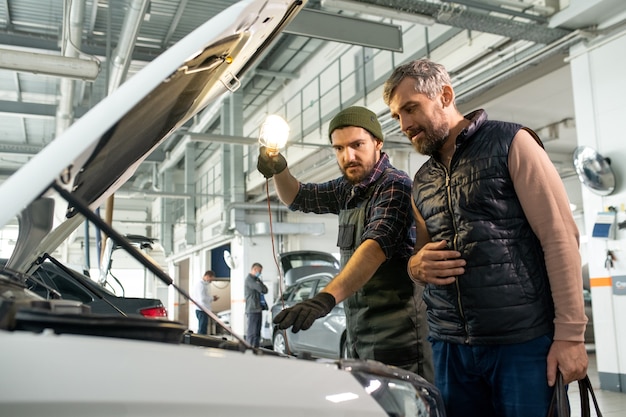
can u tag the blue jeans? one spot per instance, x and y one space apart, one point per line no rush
253 330
493 380
203 322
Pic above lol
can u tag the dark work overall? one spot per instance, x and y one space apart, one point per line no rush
385 319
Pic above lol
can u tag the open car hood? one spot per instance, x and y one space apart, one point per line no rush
102 150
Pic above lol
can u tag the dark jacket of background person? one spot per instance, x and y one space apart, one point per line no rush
253 288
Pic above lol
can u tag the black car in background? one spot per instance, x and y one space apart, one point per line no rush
52 280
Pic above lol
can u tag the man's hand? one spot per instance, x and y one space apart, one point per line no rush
302 315
270 165
570 358
435 264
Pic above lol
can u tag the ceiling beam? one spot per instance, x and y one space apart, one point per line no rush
33 110
51 43
19 148
23 109
25 149
275 74
239 140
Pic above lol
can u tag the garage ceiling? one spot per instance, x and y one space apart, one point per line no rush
117 37
107 41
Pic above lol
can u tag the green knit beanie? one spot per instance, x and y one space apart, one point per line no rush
359 117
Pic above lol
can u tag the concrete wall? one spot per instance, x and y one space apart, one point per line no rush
599 87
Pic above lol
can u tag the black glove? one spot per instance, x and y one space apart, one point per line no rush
270 165
302 315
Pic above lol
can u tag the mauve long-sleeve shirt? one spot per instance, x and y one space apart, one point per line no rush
546 205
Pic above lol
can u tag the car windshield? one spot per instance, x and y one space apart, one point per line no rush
88 282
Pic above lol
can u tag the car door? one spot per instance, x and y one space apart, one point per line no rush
302 291
324 337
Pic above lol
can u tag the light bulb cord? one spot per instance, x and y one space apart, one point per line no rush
280 276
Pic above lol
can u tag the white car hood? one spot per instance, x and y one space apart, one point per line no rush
102 150
136 378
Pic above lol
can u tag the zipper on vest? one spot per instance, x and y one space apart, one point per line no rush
454 245
454 242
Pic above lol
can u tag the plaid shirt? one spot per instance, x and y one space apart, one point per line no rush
389 215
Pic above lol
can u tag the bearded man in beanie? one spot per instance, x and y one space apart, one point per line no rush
385 314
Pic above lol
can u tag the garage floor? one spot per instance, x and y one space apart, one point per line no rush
612 404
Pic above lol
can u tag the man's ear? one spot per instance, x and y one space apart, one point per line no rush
447 95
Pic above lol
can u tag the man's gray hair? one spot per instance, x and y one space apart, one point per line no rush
429 78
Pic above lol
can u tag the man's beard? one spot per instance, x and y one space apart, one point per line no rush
355 179
433 140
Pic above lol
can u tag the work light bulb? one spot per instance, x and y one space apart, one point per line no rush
274 134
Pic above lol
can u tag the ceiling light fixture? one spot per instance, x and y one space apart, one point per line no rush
380 11
53 65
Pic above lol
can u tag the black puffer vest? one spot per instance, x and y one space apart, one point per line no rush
504 295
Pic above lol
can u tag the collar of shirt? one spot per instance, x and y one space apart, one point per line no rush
476 118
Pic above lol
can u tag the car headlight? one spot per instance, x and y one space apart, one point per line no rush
398 392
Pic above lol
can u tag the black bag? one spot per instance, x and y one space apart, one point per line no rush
560 400
263 302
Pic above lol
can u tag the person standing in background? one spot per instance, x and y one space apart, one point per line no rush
203 296
496 249
253 288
